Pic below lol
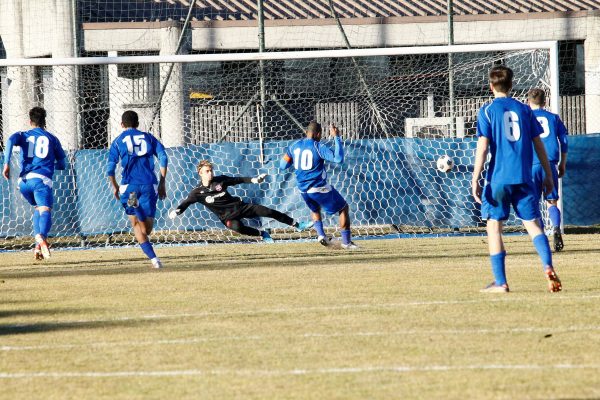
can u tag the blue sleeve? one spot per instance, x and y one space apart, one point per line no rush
534 125
286 161
113 159
13 140
562 133
161 153
59 156
336 156
484 125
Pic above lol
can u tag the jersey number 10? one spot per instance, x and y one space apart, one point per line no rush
303 160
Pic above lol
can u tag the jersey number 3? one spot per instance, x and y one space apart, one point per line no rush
39 146
303 160
139 145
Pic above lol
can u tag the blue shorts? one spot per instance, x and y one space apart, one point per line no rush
497 199
538 179
37 191
147 197
326 198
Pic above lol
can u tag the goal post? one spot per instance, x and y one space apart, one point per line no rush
211 109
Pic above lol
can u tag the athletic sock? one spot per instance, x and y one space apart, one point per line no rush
45 223
345 236
36 222
543 249
148 250
499 268
554 214
319 228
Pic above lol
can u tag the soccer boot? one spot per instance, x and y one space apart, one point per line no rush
349 246
156 263
493 288
44 246
133 200
557 239
266 237
554 284
302 226
37 253
325 241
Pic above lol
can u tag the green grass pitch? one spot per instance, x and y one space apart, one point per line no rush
398 318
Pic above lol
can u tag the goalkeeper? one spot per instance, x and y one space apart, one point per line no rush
212 192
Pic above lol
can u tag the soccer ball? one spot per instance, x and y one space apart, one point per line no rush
445 163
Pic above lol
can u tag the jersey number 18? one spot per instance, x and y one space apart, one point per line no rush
39 146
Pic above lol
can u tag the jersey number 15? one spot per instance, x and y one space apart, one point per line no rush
138 145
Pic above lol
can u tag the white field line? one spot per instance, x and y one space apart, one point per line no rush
292 372
196 340
485 299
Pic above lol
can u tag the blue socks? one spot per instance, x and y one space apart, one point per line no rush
36 222
498 268
45 223
543 249
345 236
554 214
148 250
319 228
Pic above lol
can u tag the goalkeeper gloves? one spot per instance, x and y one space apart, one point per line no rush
174 213
259 179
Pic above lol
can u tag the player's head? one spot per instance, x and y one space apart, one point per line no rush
37 117
314 130
205 170
130 119
501 79
536 98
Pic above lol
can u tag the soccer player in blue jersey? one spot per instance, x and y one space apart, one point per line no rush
139 189
308 157
556 144
41 154
508 129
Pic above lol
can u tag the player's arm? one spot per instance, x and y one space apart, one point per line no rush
60 156
540 150
192 198
286 161
232 181
111 167
13 140
337 155
563 144
163 162
480 157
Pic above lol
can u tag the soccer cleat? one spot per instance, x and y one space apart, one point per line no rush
302 226
493 288
37 252
325 241
554 284
558 241
266 237
156 263
349 246
133 200
44 246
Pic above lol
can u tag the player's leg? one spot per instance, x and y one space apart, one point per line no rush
236 225
347 242
141 210
257 210
27 191
527 209
554 212
495 209
44 200
315 213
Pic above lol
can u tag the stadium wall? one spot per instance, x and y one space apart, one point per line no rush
385 181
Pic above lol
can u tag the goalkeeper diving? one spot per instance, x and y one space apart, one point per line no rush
212 193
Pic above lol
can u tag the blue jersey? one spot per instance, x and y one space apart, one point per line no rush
136 150
510 127
41 152
554 135
308 157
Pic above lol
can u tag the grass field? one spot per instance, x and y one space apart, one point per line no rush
397 319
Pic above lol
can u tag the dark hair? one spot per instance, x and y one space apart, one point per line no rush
37 115
537 96
501 78
314 127
130 119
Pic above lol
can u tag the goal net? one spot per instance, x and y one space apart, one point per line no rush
241 111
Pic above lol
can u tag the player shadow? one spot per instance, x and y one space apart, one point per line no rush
33 312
